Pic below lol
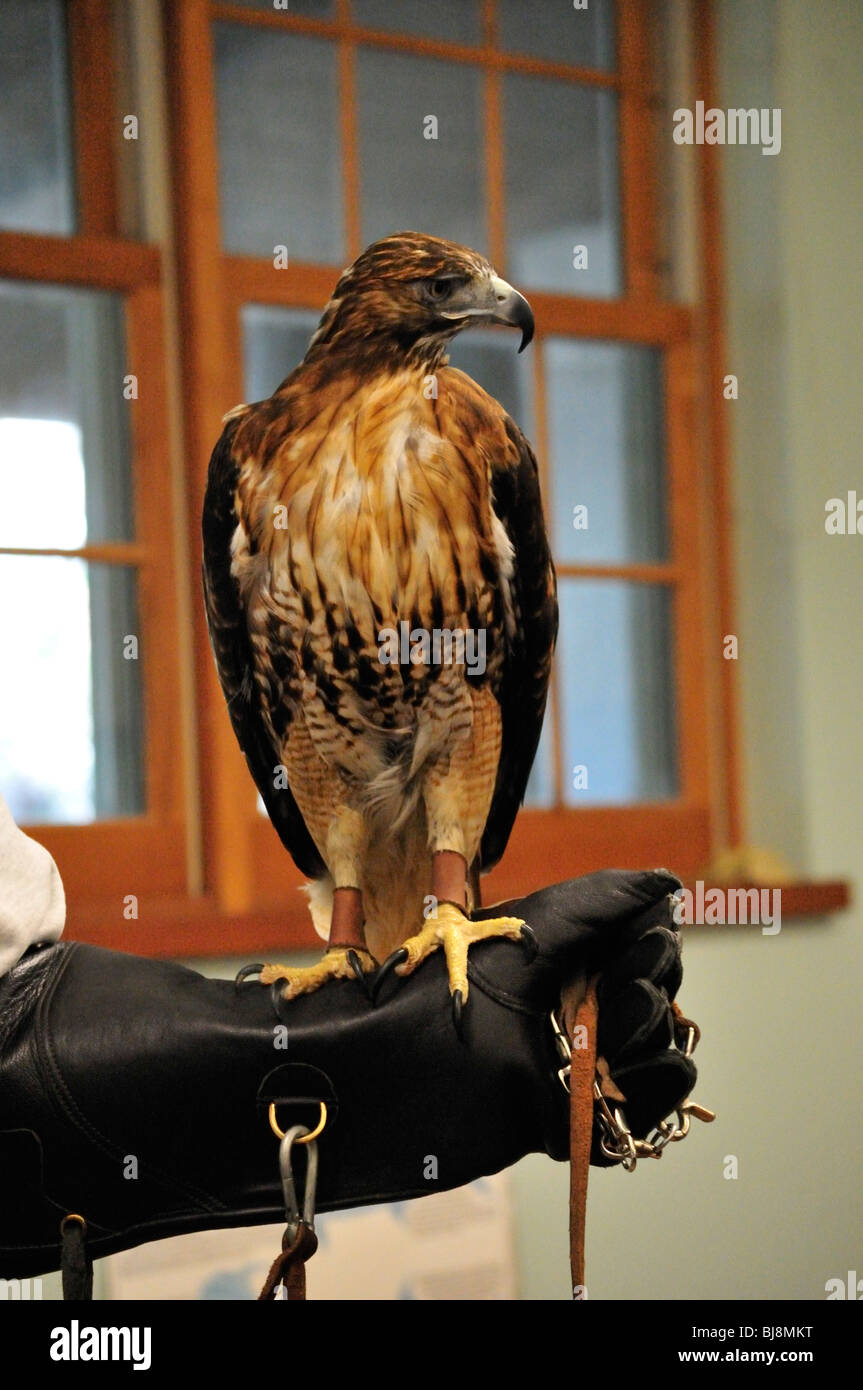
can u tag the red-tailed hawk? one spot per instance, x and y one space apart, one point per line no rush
382 608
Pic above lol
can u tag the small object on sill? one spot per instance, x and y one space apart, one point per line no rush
748 864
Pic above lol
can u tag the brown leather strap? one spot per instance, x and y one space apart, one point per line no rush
582 1072
683 1024
289 1267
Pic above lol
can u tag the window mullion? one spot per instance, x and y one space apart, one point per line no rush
348 130
226 793
91 62
636 153
494 154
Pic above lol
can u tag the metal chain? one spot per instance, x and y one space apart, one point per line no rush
616 1139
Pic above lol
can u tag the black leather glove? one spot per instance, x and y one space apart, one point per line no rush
587 926
135 1092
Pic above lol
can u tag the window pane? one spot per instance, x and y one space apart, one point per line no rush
615 668
562 186
65 474
274 343
454 20
607 447
36 179
556 30
540 785
409 182
279 162
492 360
71 734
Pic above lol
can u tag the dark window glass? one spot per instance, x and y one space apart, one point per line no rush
37 190
562 186
607 449
422 165
558 31
280 173
458 21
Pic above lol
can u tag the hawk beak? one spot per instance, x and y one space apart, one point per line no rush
493 301
512 308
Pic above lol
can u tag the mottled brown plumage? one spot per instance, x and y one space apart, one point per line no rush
379 487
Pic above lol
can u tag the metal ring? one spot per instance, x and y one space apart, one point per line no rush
72 1216
682 1128
305 1138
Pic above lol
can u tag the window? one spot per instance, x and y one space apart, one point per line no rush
89 705
296 136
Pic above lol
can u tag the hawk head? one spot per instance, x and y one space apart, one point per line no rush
408 295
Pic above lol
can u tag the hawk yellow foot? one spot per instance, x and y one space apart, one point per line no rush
339 963
453 930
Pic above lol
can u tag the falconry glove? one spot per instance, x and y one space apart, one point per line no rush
114 1067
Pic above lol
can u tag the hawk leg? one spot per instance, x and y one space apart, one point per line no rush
340 831
450 927
347 957
457 793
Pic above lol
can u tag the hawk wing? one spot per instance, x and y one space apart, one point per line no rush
230 642
530 645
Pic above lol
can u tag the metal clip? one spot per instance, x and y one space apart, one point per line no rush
699 1111
615 1139
293 1215
564 1052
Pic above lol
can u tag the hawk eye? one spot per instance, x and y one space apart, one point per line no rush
438 289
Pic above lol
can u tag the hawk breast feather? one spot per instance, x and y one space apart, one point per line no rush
460 516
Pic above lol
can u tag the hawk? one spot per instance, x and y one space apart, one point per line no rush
382 609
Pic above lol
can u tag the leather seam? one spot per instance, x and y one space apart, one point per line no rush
501 996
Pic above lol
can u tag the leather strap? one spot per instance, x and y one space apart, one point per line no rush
289 1267
581 1077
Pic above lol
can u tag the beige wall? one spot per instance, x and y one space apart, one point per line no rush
781 1015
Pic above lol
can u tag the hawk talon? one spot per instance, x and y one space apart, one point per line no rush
277 998
397 957
246 972
530 943
458 1013
528 940
356 966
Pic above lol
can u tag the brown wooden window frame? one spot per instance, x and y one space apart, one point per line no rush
103 860
208 870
